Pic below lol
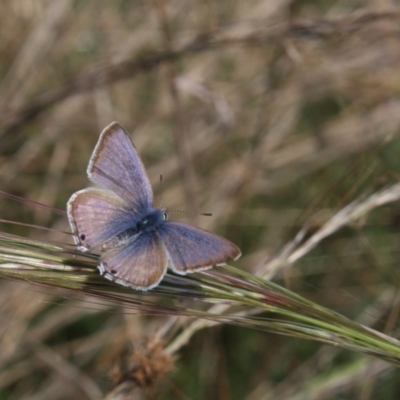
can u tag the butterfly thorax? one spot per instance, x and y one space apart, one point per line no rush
150 221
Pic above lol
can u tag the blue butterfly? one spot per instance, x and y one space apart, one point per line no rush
136 241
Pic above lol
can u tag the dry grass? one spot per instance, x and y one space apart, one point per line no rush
272 115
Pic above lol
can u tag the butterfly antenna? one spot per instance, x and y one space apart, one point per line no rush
181 211
192 213
161 190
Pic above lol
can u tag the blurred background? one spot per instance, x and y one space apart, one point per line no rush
271 114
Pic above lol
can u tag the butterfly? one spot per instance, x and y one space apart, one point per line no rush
136 241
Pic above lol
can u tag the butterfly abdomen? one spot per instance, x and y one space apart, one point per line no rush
120 239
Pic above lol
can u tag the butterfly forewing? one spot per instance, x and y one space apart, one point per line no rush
140 263
97 215
192 249
116 165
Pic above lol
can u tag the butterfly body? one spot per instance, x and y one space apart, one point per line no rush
136 241
149 222
152 220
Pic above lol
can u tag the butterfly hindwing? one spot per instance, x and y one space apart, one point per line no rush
96 215
140 264
192 249
115 165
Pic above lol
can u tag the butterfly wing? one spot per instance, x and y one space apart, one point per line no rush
192 249
96 215
115 165
140 264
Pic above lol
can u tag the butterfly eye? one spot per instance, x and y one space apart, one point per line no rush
165 215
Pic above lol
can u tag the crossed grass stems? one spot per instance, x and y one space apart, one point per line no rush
223 295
